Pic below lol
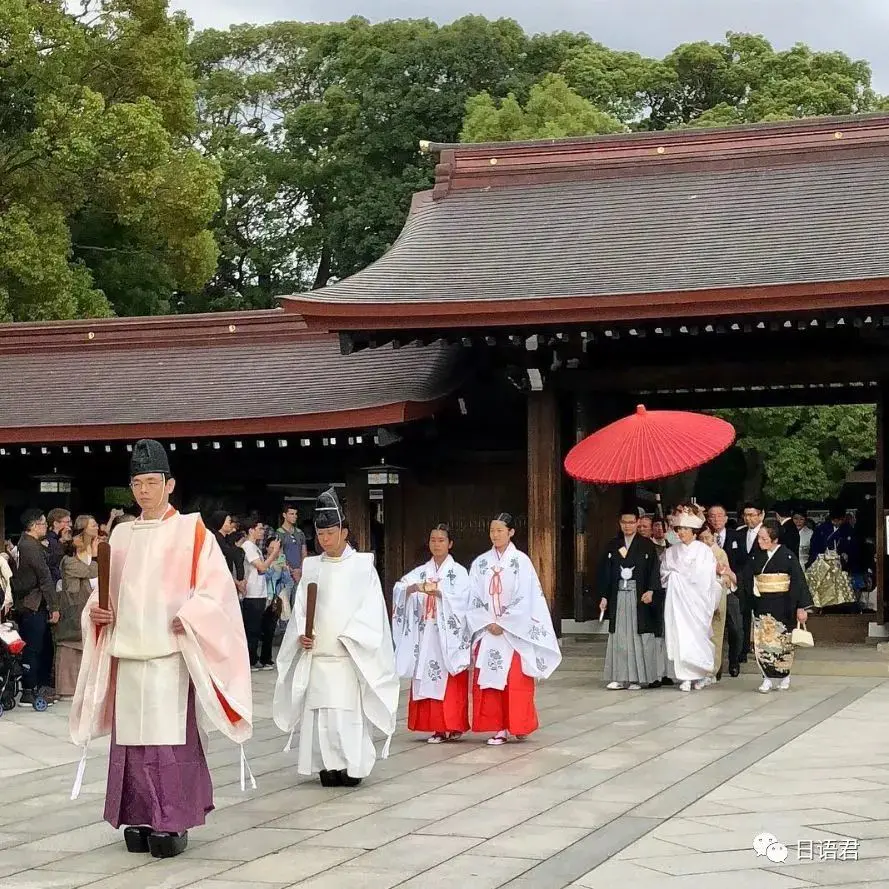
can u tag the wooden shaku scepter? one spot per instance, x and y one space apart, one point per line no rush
311 599
103 557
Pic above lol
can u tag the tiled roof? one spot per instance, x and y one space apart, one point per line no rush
291 384
676 231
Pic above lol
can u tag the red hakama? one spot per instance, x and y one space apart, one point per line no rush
448 715
510 710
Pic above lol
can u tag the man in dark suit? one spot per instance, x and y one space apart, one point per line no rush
743 547
788 536
725 537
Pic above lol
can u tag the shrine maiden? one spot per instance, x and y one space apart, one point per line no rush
432 641
513 635
693 594
167 655
340 684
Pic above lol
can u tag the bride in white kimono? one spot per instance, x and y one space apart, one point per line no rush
432 641
515 643
693 589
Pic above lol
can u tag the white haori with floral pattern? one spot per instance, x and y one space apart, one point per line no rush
432 639
505 590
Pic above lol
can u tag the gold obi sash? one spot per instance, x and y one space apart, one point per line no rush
771 584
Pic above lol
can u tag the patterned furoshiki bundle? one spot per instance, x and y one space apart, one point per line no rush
829 584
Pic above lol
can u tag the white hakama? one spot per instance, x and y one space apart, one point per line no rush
336 694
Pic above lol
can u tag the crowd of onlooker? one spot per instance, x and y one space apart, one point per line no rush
48 575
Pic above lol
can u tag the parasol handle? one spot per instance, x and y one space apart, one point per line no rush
311 599
103 557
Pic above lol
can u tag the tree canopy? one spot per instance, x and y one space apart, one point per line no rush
803 453
104 205
148 170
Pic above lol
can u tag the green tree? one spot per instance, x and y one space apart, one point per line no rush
317 130
104 204
745 80
803 452
553 111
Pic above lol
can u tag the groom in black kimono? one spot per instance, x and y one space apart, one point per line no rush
632 599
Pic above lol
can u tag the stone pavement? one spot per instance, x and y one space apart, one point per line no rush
634 789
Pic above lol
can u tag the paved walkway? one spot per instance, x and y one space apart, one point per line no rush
632 789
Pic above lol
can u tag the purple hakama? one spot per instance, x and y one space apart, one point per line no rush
167 788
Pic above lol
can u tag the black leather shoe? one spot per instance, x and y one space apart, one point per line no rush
136 838
719 674
163 844
734 671
331 779
347 781
666 681
655 684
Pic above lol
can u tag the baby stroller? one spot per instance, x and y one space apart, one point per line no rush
11 669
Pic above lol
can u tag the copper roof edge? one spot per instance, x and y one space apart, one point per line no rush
806 141
858 122
391 413
210 328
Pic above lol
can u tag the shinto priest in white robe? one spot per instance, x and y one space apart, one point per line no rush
505 590
338 692
136 674
432 640
693 590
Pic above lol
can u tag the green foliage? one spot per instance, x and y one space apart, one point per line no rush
553 111
132 159
104 205
806 451
317 129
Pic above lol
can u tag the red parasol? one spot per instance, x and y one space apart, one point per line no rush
647 446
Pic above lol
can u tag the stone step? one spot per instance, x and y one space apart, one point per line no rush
825 660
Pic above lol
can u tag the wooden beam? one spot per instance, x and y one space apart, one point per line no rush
882 560
393 566
358 510
858 366
544 487
581 505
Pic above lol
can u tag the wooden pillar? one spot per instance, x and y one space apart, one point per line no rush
358 510
393 567
544 487
882 505
581 505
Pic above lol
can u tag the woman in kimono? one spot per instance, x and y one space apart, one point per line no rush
432 641
776 585
693 593
513 636
80 576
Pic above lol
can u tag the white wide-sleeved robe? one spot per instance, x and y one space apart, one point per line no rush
138 670
431 636
505 590
688 572
336 693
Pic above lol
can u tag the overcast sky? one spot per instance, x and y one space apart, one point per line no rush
652 27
